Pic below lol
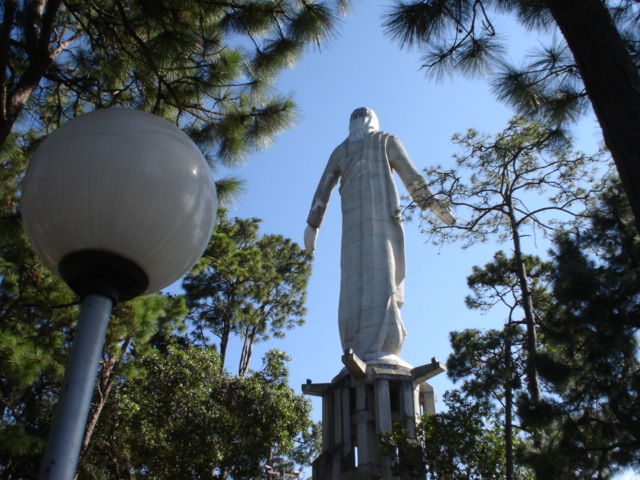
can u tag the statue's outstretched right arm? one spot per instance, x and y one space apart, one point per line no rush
415 182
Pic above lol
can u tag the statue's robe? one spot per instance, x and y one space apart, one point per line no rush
372 258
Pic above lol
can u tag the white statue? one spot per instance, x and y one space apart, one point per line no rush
372 259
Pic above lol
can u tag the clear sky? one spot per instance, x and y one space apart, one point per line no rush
364 68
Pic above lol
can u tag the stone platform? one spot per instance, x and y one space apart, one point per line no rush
362 402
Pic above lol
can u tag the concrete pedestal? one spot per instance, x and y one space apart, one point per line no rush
363 401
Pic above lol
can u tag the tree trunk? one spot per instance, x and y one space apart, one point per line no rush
224 340
40 57
508 407
245 345
9 12
247 350
611 80
533 383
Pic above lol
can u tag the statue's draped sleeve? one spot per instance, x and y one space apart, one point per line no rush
413 181
328 181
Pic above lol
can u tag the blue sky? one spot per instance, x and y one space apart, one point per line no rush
364 68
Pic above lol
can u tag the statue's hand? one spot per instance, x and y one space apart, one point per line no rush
442 212
310 235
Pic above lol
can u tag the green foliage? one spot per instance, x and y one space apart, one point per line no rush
455 444
590 356
490 362
206 65
595 61
585 423
549 86
497 284
494 364
38 315
245 284
251 416
181 416
153 388
37 312
499 199
496 195
449 30
496 187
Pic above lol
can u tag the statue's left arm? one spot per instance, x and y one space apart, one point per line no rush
415 183
320 201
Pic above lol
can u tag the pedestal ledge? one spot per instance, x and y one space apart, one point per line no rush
354 364
315 389
424 372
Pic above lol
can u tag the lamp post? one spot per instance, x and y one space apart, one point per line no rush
119 203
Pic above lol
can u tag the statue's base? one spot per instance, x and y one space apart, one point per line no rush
362 402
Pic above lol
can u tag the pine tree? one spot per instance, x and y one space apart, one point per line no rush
590 356
585 423
247 285
599 61
207 66
492 364
495 200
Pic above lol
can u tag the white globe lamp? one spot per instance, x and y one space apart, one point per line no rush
119 195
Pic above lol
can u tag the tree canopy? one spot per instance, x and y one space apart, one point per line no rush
589 360
495 192
597 60
247 285
206 66
178 415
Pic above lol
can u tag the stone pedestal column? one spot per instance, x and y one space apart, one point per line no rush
362 402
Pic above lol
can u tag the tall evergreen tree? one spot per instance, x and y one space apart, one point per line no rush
247 285
587 417
587 299
492 364
600 61
590 357
499 200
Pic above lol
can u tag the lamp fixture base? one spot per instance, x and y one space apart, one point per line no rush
96 271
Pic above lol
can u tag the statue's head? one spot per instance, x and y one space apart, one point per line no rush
363 120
